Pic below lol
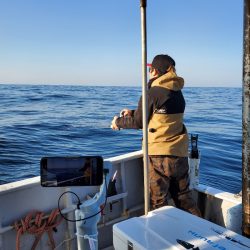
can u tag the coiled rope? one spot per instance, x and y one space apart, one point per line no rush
37 223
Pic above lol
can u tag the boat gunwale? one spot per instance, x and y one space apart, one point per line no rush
29 182
34 181
217 193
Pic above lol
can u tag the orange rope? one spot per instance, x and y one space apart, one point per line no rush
35 224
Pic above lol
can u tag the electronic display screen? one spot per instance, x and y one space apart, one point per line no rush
71 171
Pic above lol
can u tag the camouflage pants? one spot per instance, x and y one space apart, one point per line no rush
169 179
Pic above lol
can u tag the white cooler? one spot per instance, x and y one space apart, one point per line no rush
171 228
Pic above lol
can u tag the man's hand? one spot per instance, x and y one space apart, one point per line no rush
126 112
113 125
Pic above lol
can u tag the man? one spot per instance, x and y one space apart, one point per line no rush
167 135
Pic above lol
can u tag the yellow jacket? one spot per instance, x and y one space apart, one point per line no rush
167 135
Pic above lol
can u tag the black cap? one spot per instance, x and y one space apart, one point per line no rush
162 63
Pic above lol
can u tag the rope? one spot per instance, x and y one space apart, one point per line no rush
37 224
92 239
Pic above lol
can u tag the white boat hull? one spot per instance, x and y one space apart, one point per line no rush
17 199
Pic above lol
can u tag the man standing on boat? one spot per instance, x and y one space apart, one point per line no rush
167 136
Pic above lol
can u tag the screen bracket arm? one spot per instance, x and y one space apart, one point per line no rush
86 230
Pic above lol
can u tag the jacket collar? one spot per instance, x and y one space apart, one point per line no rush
169 81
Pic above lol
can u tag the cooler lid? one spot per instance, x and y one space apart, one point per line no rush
172 228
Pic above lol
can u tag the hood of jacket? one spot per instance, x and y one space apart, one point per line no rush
169 81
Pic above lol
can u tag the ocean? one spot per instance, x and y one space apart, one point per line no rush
62 120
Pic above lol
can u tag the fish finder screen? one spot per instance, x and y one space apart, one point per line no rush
71 171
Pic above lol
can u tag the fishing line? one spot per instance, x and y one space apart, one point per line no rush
79 203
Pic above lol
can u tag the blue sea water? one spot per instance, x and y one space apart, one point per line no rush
62 120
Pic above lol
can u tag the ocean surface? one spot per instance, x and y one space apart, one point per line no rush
59 120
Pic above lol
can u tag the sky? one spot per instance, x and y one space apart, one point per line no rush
99 42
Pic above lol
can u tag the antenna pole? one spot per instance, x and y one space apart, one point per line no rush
246 124
145 105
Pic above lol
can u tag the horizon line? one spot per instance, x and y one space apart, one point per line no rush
119 85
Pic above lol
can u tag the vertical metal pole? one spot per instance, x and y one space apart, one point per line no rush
69 232
246 124
145 104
